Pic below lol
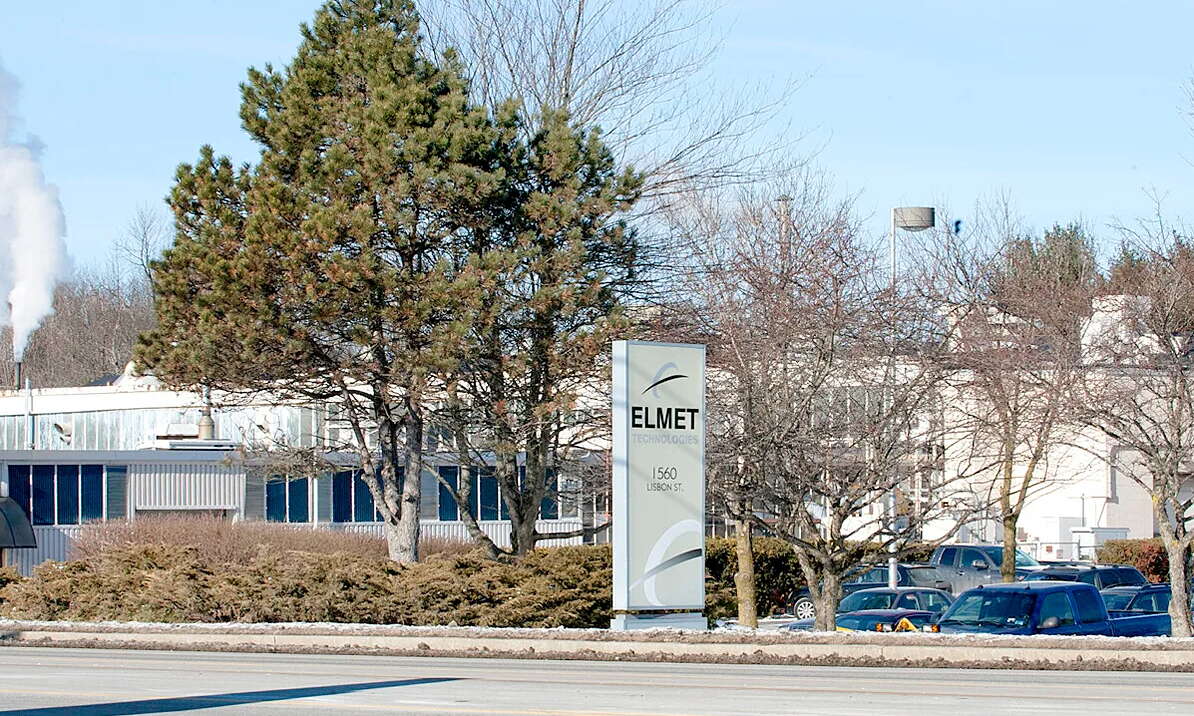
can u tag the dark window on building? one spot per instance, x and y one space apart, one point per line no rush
43 494
342 496
298 504
487 495
18 486
275 500
287 500
448 511
362 501
550 507
59 494
351 499
68 495
92 492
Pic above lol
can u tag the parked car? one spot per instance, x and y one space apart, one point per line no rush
870 576
1143 598
966 566
872 620
1102 576
1043 607
933 601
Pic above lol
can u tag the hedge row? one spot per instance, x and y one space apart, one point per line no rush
170 582
1147 555
565 586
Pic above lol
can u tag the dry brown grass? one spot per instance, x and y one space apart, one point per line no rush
220 541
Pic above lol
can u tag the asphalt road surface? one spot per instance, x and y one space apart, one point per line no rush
87 682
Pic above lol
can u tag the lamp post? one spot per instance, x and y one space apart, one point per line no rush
908 218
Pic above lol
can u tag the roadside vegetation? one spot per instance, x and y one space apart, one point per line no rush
257 574
203 569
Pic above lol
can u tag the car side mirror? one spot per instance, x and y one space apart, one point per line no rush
978 564
1050 623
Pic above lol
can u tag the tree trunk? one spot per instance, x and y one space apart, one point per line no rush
744 578
402 537
522 534
1179 573
827 601
1007 569
1179 604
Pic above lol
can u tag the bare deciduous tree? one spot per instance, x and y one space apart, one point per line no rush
1138 390
816 419
638 70
1015 305
145 238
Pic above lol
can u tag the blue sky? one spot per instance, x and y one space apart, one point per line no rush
1074 108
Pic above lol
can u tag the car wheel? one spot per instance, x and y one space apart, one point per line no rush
804 609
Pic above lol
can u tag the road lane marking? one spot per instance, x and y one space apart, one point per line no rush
323 703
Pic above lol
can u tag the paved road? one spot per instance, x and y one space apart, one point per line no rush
84 682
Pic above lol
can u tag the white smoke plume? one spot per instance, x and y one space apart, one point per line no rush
32 249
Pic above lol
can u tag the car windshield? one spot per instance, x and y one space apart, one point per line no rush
991 608
1128 576
866 599
1117 601
1022 559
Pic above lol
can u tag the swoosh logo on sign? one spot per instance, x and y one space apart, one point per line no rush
661 380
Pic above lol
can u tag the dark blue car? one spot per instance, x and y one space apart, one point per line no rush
913 600
869 576
1043 607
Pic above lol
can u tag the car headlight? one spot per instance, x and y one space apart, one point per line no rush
883 626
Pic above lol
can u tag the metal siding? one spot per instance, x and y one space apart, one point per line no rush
186 486
323 498
53 542
254 503
428 495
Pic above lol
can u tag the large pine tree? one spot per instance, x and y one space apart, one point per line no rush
559 262
336 268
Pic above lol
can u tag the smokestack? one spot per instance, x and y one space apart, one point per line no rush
207 426
16 381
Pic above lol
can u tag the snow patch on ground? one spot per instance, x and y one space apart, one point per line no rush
733 635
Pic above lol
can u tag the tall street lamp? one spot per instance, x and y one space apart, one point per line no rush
907 218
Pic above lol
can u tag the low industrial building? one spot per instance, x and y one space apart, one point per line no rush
126 448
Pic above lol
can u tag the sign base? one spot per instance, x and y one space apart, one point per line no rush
647 620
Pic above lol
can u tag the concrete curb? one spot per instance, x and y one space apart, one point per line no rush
898 653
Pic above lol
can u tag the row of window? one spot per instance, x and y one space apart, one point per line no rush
289 500
60 494
73 494
485 499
